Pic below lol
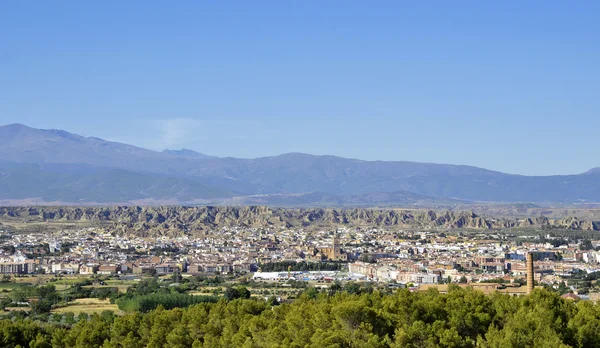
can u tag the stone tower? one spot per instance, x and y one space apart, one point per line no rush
336 247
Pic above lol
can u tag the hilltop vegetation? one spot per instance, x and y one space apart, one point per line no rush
462 318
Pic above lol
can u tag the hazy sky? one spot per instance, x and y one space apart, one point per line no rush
505 85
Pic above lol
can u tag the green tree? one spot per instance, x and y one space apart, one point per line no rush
41 341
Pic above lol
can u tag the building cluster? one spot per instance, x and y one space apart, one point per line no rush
433 260
372 254
91 251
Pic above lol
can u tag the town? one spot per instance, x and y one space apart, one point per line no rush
417 260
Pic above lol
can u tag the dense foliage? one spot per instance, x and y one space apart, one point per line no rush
284 266
149 294
45 296
145 303
462 318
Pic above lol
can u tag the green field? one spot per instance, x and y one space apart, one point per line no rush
87 305
12 286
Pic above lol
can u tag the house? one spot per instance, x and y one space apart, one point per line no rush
242 267
418 278
26 267
571 296
166 268
65 268
143 268
194 268
127 267
88 269
107 270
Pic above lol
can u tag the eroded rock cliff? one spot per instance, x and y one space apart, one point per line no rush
196 220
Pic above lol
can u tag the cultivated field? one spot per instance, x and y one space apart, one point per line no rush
87 305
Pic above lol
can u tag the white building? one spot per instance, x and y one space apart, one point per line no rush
418 278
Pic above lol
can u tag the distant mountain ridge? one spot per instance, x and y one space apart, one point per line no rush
187 153
55 165
320 199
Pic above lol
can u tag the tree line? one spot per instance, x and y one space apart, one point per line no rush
461 318
145 303
284 266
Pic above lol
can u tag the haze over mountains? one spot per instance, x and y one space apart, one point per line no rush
45 166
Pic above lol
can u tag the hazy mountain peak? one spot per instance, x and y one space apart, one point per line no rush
187 153
15 126
10 132
66 135
22 132
23 144
593 171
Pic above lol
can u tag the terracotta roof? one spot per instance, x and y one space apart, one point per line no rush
571 296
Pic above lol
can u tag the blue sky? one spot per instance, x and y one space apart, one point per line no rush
506 85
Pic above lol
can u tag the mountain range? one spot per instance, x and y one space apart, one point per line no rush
57 167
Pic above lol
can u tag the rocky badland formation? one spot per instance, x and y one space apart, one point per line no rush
173 221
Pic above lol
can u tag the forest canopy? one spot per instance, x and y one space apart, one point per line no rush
461 318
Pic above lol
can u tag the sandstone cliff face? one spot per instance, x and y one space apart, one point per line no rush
175 221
